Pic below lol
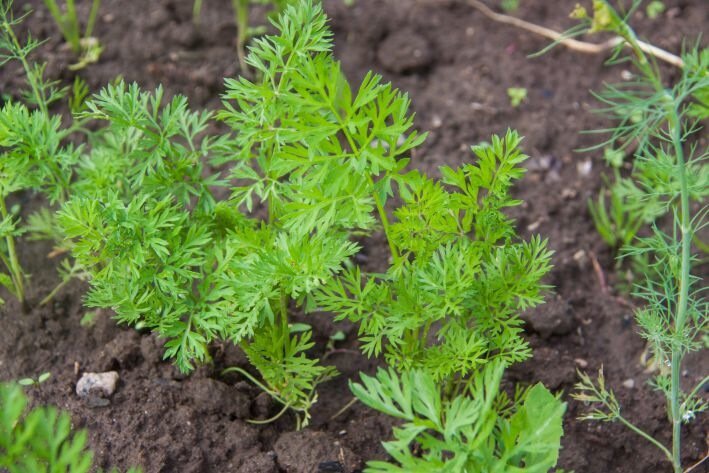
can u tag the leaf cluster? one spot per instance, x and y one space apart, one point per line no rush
313 164
478 431
40 440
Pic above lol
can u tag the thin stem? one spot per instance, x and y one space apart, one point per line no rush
385 224
16 273
72 27
573 44
248 376
694 391
37 90
92 18
270 420
349 404
241 11
676 135
54 292
683 304
197 12
646 436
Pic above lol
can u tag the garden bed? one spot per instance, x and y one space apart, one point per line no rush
457 66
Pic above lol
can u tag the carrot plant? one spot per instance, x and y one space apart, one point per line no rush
164 254
313 163
32 154
669 174
445 318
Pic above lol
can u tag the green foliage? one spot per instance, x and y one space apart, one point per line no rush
84 45
142 219
42 92
480 430
655 8
165 255
34 382
313 162
669 178
32 154
450 299
32 159
40 440
509 5
517 95
617 220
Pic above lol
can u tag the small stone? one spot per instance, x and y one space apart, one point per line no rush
100 384
581 258
436 121
626 75
584 168
534 225
568 194
629 383
581 362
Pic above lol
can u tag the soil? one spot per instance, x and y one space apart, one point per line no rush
456 65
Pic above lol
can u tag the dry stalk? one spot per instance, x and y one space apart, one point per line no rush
573 44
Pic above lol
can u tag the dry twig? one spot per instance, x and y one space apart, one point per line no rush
580 46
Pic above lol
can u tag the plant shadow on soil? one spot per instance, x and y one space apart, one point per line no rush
456 66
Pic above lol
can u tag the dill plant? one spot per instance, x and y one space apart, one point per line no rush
669 173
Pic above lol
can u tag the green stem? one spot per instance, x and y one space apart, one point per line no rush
684 282
37 91
92 18
675 125
72 27
197 12
241 12
15 269
284 313
647 437
54 292
385 224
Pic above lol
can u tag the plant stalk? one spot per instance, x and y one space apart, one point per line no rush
681 309
37 90
14 267
683 304
241 12
647 437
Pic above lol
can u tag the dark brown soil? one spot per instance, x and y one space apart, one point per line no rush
457 66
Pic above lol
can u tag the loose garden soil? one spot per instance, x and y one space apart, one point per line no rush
456 65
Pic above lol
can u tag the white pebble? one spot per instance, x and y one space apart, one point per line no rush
103 384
